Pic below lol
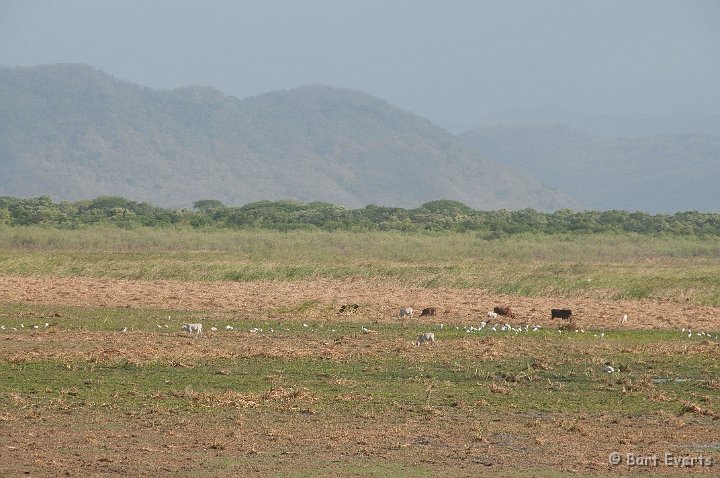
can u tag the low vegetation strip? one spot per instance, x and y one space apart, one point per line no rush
434 216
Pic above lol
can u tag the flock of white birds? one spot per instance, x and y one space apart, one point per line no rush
426 338
482 327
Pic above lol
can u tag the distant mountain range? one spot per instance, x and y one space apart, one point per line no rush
624 125
659 173
73 132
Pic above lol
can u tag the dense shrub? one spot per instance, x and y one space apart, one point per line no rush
435 216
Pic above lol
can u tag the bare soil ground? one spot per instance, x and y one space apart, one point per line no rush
379 300
291 443
286 434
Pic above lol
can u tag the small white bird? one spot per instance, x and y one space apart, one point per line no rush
442 326
609 369
305 325
2 327
229 327
624 319
35 327
47 324
22 326
213 329
124 329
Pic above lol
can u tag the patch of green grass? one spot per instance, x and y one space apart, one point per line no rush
543 371
383 469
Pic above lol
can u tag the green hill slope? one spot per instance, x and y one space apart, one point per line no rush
73 132
661 173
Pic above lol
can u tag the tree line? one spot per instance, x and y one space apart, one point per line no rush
442 215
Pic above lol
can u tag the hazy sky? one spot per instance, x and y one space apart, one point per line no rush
453 62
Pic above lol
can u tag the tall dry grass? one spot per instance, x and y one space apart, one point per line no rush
602 266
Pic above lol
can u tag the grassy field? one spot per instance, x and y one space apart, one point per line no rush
303 391
603 266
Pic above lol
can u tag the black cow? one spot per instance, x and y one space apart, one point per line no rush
427 311
564 314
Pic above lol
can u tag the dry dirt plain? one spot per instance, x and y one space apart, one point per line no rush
379 300
293 431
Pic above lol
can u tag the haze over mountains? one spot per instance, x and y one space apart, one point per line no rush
659 173
73 132
625 125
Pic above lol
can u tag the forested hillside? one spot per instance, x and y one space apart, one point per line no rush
72 132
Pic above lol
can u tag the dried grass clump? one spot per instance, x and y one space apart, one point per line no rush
689 407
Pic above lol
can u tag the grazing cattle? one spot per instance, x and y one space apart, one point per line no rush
348 308
427 311
564 314
505 311
406 312
427 337
190 328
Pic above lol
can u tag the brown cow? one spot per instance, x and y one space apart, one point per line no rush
505 311
427 311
